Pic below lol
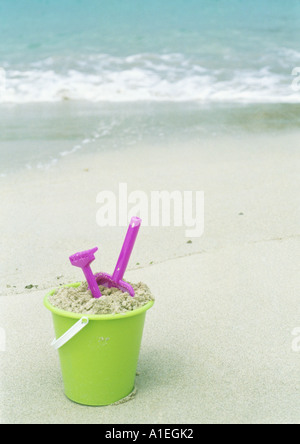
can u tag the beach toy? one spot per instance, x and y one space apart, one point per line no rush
98 353
115 280
83 261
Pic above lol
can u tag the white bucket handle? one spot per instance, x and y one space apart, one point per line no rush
76 328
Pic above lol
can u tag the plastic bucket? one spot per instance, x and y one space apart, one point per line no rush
99 362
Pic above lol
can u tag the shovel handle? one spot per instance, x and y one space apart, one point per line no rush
127 248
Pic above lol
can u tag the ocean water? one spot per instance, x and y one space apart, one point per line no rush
199 55
160 50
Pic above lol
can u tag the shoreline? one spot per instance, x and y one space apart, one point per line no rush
46 133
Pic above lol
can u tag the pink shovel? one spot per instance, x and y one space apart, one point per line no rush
115 280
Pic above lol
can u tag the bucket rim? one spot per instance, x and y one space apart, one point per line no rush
92 317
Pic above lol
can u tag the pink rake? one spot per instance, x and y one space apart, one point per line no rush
115 280
83 260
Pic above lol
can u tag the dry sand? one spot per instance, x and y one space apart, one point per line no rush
217 346
113 301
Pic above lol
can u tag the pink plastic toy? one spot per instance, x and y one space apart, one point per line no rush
116 279
83 260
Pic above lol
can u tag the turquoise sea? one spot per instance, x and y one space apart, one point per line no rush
122 70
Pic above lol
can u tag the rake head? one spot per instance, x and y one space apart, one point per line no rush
83 258
106 280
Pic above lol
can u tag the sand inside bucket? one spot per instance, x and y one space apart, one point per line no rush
113 301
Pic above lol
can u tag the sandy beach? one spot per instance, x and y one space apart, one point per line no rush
217 345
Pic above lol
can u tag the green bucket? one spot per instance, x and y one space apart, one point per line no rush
99 362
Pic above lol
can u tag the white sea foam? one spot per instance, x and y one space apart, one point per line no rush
102 131
72 151
47 165
169 77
